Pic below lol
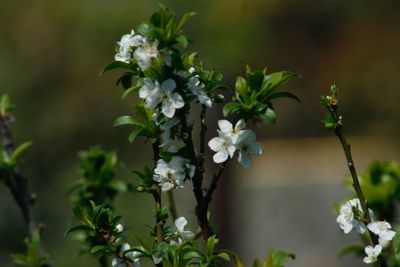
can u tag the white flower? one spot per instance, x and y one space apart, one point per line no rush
150 92
182 166
382 229
247 145
118 262
169 175
123 54
170 100
180 224
145 53
155 94
224 148
372 253
119 228
196 88
347 220
226 128
125 46
131 40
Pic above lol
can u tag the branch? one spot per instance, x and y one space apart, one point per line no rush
18 184
214 184
356 184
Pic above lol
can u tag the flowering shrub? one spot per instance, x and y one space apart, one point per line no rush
172 84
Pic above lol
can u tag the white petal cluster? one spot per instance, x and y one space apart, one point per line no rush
172 174
382 229
119 228
197 89
180 224
372 253
154 94
347 219
139 46
120 262
230 139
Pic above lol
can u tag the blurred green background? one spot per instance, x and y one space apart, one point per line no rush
51 53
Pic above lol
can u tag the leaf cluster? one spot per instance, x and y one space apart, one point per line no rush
33 256
7 162
255 92
98 168
98 225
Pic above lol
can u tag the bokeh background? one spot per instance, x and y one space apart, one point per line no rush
51 53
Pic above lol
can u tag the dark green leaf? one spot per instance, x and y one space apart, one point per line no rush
357 249
230 108
126 120
79 228
283 95
115 65
134 134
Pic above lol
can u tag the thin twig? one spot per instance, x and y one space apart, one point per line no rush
356 184
18 185
172 205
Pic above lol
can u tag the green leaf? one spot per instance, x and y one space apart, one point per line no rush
126 120
126 80
355 248
100 249
277 79
224 256
283 95
5 104
280 257
230 108
183 20
241 87
114 65
238 262
132 136
329 122
256 79
182 41
269 116
131 90
79 228
19 150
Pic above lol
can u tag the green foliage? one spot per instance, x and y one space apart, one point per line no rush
274 259
98 184
254 94
189 254
98 225
166 28
380 183
144 124
33 256
7 162
5 105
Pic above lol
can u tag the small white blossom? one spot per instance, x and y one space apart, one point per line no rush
155 94
224 148
182 166
167 176
195 86
118 262
119 228
170 99
171 175
127 42
145 53
382 229
372 253
226 128
347 219
131 40
247 146
180 224
150 92
123 54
